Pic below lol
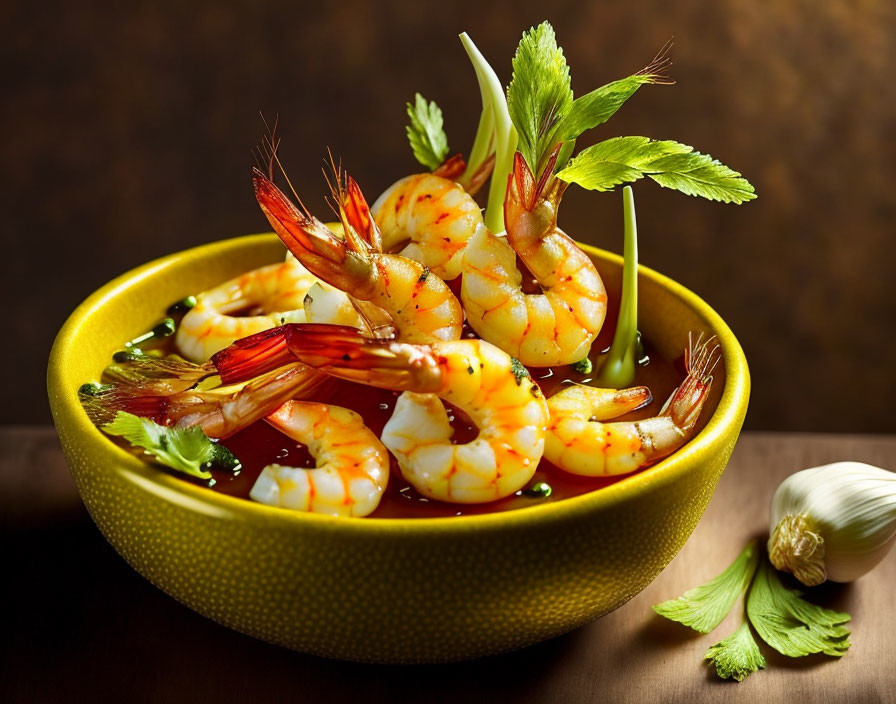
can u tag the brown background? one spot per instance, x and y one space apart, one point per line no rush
126 135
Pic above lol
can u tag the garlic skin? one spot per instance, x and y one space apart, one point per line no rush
833 522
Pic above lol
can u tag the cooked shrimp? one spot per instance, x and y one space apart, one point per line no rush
220 412
352 465
492 388
430 218
271 295
580 443
415 301
556 326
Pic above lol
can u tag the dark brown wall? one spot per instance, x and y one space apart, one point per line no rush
126 134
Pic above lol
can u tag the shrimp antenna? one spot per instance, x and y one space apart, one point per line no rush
268 149
337 200
656 70
337 189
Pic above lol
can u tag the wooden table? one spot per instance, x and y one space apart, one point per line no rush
80 625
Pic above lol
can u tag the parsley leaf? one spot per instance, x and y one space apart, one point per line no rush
598 106
791 625
428 140
187 450
703 608
737 655
670 164
539 95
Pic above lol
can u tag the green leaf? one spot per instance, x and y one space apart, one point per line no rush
539 95
704 607
598 106
791 625
185 449
737 656
428 140
670 164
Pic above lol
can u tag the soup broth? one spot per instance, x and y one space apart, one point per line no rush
259 444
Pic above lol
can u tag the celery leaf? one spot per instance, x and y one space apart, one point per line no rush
428 140
598 106
791 625
670 164
539 95
187 450
703 608
737 656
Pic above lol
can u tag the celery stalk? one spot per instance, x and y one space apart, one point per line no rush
495 103
618 369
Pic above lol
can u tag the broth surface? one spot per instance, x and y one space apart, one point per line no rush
260 444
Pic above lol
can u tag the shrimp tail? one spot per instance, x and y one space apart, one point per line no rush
346 353
339 263
452 168
355 213
530 207
161 376
102 407
686 402
253 356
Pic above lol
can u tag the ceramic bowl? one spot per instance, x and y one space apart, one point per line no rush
386 590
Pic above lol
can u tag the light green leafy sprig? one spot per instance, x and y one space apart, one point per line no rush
425 132
791 625
737 656
704 607
187 450
539 95
671 164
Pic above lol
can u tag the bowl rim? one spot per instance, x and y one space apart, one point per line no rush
729 413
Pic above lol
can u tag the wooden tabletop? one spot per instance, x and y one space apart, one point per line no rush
80 625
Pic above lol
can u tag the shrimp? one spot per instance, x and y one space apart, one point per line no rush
556 326
352 465
220 412
492 388
580 443
414 301
271 294
430 218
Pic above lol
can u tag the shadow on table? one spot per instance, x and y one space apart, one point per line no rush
84 626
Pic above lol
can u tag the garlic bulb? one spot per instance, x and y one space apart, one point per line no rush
833 522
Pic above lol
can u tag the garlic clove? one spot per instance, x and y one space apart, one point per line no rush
833 522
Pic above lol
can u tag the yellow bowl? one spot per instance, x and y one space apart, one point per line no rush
385 590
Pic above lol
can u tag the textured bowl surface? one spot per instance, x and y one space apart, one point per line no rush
386 590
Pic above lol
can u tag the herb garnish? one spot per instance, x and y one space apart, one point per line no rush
785 621
539 95
736 656
704 607
425 133
791 625
670 164
187 450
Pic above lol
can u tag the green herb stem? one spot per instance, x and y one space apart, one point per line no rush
483 144
505 136
618 369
